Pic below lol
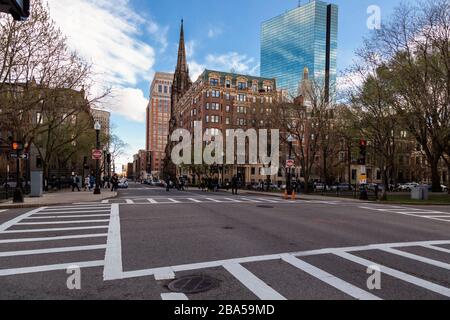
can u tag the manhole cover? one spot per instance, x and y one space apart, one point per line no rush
193 284
265 207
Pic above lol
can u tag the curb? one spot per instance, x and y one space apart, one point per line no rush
37 205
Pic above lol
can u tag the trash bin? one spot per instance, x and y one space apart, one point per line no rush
419 193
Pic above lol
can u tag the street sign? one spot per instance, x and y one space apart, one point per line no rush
363 179
97 154
290 163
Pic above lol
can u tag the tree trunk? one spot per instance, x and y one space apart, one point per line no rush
435 177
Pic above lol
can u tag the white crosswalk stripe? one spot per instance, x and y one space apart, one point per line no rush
265 291
52 217
414 212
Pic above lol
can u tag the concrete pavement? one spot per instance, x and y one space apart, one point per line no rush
253 246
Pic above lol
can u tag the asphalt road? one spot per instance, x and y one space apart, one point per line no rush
246 246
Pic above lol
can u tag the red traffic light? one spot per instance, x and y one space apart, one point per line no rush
16 146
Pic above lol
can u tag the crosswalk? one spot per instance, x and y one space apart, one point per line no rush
48 234
208 200
238 269
438 215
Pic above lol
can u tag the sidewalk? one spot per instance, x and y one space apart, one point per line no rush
59 198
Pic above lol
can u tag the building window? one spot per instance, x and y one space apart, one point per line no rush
227 120
214 82
206 118
228 83
227 108
160 88
242 85
241 97
227 96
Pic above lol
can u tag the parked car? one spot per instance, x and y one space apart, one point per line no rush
408 186
343 187
444 188
123 184
319 187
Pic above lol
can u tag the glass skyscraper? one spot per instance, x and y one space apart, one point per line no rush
304 37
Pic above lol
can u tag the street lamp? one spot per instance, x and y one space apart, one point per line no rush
290 140
97 127
18 194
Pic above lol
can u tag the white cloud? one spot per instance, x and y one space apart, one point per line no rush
214 32
190 48
105 33
159 34
195 69
232 61
128 102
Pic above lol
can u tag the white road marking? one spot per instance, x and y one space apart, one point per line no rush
63 266
59 222
71 212
113 255
428 246
233 200
173 200
268 200
64 216
411 214
129 201
54 229
253 283
105 201
418 258
10 223
214 200
151 200
87 208
194 200
174 296
3 210
81 236
164 274
250 200
397 274
329 279
50 250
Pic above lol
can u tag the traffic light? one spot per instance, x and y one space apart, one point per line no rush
19 9
16 146
362 152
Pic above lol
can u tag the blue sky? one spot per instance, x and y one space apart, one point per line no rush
128 40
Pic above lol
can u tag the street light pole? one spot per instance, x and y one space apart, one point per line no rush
97 128
18 194
288 182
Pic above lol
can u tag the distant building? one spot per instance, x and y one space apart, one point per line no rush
103 117
224 101
158 116
304 37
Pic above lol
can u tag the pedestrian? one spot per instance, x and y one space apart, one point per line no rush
86 184
114 182
234 185
75 182
91 181
168 184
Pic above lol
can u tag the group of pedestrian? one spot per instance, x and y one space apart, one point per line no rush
89 182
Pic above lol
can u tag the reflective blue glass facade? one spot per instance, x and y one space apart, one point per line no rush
304 37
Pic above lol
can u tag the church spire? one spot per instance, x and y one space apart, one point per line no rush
181 61
181 80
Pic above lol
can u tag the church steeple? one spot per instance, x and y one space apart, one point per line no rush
181 81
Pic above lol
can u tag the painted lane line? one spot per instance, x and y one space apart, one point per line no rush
54 229
129 201
105 201
174 296
406 214
75 216
329 279
250 200
10 223
3 210
396 274
268 200
428 246
253 283
113 256
51 250
418 258
214 200
194 200
173 200
59 222
151 200
71 212
87 208
52 267
164 274
233 200
82 236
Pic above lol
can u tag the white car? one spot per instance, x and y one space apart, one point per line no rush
444 188
123 184
408 186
